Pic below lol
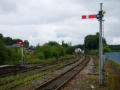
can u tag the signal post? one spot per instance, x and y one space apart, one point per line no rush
99 16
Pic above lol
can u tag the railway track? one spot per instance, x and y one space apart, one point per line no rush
13 70
59 81
50 69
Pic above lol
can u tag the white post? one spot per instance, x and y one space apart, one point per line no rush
22 54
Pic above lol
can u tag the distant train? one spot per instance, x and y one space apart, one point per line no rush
79 51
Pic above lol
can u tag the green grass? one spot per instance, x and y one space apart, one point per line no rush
113 63
92 52
21 79
32 59
70 55
12 62
97 65
112 80
36 60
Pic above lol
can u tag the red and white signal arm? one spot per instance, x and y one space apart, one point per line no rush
88 16
20 42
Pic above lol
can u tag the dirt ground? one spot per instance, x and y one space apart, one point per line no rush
85 80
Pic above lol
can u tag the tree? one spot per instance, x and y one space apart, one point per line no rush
70 49
1 36
114 47
65 44
52 43
3 53
16 40
26 43
7 40
91 42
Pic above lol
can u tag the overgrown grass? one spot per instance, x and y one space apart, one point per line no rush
10 62
36 60
112 80
33 59
21 79
69 55
93 80
97 63
113 63
87 82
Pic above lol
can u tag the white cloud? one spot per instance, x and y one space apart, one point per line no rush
40 21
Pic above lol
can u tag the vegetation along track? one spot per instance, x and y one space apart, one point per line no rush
13 70
58 82
43 70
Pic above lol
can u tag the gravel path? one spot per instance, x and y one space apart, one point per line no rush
77 82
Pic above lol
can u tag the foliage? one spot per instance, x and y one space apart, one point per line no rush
26 43
91 42
112 81
10 41
79 46
40 55
70 50
52 43
7 55
54 49
113 63
106 48
4 53
37 60
51 49
16 81
93 52
65 44
115 47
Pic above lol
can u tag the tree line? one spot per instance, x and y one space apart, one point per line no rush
91 45
11 41
54 49
114 47
50 49
10 55
45 51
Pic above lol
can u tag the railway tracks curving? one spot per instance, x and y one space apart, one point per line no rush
13 70
59 81
42 70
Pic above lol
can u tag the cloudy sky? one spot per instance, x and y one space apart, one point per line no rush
40 21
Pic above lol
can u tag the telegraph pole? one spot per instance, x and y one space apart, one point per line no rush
99 16
100 50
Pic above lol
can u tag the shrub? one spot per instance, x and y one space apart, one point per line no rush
40 55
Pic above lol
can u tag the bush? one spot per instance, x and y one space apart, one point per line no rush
70 50
93 52
106 48
9 56
3 53
49 50
40 55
